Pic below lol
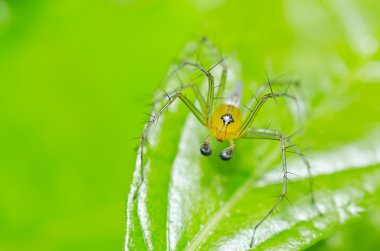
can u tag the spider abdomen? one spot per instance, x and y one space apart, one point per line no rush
226 122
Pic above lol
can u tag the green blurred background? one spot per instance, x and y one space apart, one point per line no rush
75 77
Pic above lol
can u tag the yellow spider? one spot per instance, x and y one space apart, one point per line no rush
227 122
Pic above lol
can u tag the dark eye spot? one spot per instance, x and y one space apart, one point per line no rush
227 119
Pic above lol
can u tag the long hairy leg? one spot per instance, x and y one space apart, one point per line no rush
198 95
308 167
267 134
143 139
222 85
223 78
282 139
253 111
208 103
138 179
286 142
210 90
206 71
269 84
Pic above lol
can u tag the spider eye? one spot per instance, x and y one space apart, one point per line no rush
226 154
206 149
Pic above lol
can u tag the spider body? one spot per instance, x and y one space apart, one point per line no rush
226 122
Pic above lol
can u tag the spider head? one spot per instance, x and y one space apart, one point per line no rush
206 149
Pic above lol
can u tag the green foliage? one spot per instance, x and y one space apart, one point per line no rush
75 76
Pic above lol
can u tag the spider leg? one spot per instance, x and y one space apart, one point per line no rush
255 108
223 77
267 85
274 135
171 98
209 102
205 147
198 95
222 84
309 174
210 92
265 133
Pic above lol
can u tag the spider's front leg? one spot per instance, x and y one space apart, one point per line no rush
255 108
273 135
207 105
143 139
269 85
210 90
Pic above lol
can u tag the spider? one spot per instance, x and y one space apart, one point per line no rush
226 121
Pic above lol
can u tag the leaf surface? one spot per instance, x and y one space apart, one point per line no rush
190 202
